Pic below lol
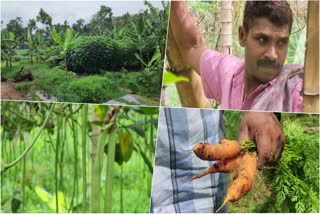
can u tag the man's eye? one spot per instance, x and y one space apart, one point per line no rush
261 39
282 43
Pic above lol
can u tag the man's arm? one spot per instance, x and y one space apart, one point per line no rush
186 35
191 93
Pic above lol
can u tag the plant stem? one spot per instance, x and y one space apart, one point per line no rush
109 172
84 162
7 166
57 162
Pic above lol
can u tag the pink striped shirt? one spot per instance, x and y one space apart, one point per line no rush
223 80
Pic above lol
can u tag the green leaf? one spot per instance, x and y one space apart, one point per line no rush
15 205
43 195
61 203
68 38
56 37
155 56
100 111
29 37
169 77
137 129
138 57
149 110
126 145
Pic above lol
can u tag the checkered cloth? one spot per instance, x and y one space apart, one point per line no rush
179 129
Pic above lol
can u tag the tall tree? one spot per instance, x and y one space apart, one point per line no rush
78 26
15 26
102 20
32 25
8 47
44 18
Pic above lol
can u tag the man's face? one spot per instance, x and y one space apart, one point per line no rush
266 47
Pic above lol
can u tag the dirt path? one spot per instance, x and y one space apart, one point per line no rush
8 92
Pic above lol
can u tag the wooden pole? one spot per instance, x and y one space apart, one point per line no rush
311 68
226 26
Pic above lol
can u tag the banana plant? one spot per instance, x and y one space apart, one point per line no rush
151 75
34 45
8 47
63 45
138 35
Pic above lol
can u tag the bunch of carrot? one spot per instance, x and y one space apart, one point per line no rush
230 157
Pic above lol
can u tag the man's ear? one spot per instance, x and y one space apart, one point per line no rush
242 36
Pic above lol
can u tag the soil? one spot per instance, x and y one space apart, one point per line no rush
8 92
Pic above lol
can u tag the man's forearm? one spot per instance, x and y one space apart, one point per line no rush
191 93
186 34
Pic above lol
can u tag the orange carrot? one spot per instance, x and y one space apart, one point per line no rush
226 166
241 185
227 149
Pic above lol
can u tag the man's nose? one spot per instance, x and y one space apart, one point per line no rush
271 53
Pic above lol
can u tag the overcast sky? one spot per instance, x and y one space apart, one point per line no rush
67 10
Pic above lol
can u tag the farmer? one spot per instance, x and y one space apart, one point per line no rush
178 130
259 82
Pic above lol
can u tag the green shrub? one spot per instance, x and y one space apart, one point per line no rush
24 86
90 55
54 57
48 80
123 56
97 53
90 89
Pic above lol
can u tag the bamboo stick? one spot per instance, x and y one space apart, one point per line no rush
311 69
226 26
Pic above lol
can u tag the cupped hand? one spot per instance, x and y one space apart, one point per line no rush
264 129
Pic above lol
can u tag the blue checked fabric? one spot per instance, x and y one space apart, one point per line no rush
179 129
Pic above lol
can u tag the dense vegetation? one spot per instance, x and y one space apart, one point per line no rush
129 48
69 166
292 185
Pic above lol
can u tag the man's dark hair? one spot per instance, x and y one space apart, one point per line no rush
278 12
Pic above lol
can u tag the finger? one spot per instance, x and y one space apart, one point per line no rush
280 145
264 148
243 132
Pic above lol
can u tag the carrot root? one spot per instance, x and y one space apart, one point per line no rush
227 149
242 184
220 166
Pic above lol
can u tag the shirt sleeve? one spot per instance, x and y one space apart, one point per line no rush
217 71
297 100
209 62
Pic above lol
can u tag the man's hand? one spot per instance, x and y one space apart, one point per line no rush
265 129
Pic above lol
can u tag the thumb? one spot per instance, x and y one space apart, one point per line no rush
243 133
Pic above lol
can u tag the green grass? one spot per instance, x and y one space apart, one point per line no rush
68 87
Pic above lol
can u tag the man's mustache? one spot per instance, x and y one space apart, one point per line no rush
268 63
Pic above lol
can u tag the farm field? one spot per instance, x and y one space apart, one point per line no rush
107 58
